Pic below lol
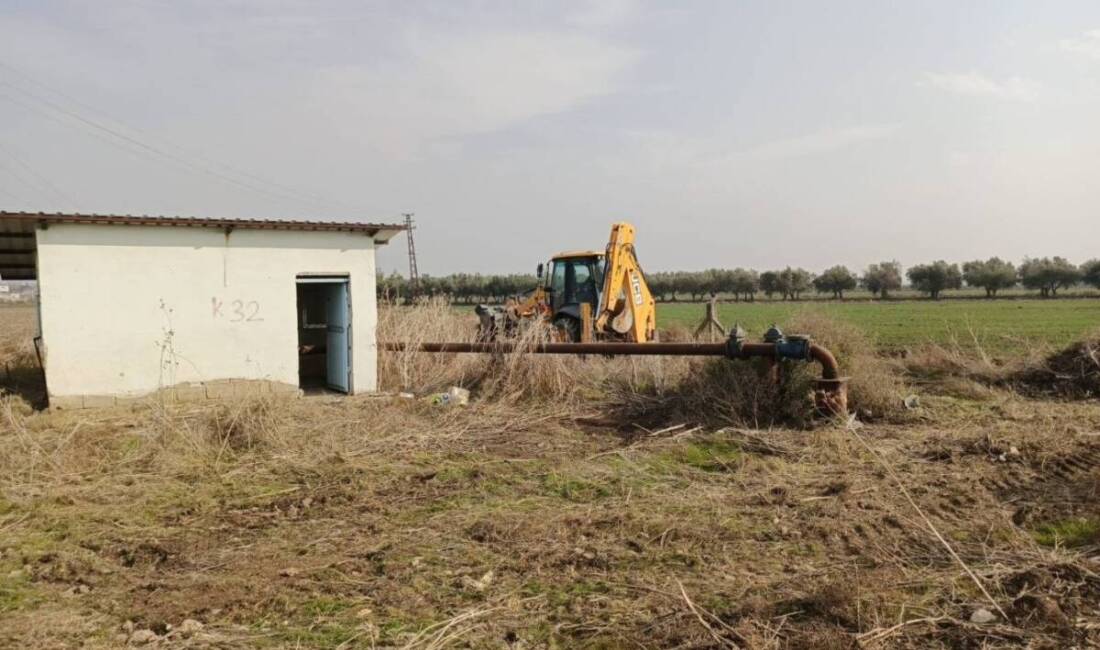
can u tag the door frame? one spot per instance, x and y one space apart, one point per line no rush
334 278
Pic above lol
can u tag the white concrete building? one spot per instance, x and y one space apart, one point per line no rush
189 308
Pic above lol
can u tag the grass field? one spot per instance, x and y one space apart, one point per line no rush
999 325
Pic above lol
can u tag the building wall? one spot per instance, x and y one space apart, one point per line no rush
129 310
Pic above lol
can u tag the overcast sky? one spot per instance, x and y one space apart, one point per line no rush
754 134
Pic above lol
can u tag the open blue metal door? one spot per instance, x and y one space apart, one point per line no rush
338 338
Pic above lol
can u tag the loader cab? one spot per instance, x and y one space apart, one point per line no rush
575 278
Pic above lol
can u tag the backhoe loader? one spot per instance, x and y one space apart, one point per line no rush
585 296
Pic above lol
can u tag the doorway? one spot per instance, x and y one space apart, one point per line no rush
324 333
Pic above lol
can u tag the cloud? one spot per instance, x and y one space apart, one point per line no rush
603 13
442 85
1087 45
822 141
977 85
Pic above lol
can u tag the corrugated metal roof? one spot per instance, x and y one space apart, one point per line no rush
197 222
17 238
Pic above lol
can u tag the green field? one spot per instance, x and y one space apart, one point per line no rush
1000 325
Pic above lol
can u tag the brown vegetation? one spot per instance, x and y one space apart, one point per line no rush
1073 371
532 519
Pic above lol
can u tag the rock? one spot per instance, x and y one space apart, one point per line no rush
911 402
1039 610
189 627
478 585
290 572
1013 451
143 637
982 616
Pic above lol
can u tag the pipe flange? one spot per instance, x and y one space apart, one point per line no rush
735 342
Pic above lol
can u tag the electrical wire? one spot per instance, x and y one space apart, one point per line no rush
11 172
151 152
53 189
154 152
12 196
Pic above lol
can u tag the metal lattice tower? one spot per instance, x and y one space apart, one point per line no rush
414 275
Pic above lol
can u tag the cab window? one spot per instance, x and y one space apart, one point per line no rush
574 281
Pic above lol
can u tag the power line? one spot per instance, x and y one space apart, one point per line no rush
282 191
12 196
152 152
35 191
42 179
294 193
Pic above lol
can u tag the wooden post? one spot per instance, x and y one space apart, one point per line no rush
710 323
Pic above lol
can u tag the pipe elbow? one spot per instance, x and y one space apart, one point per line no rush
829 367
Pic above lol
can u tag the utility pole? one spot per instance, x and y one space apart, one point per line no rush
414 275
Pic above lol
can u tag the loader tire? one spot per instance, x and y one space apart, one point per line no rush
567 330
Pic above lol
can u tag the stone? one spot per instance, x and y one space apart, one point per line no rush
189 627
982 616
143 637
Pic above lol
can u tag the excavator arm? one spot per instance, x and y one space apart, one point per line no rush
626 309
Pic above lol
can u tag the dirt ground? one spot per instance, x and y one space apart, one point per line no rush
971 521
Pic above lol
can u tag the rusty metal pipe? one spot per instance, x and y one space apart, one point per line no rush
830 392
507 347
829 367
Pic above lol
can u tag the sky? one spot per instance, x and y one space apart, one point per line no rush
752 133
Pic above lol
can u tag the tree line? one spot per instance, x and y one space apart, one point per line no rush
1046 275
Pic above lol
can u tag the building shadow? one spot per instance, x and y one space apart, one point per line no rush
25 381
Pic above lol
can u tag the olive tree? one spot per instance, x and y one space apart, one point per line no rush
744 283
769 283
1090 273
793 282
1049 274
992 275
882 278
835 280
392 287
935 277
662 285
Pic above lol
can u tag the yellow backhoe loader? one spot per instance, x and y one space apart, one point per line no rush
585 296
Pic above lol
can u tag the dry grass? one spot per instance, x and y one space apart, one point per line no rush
20 376
874 389
1073 371
966 369
517 522
644 388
